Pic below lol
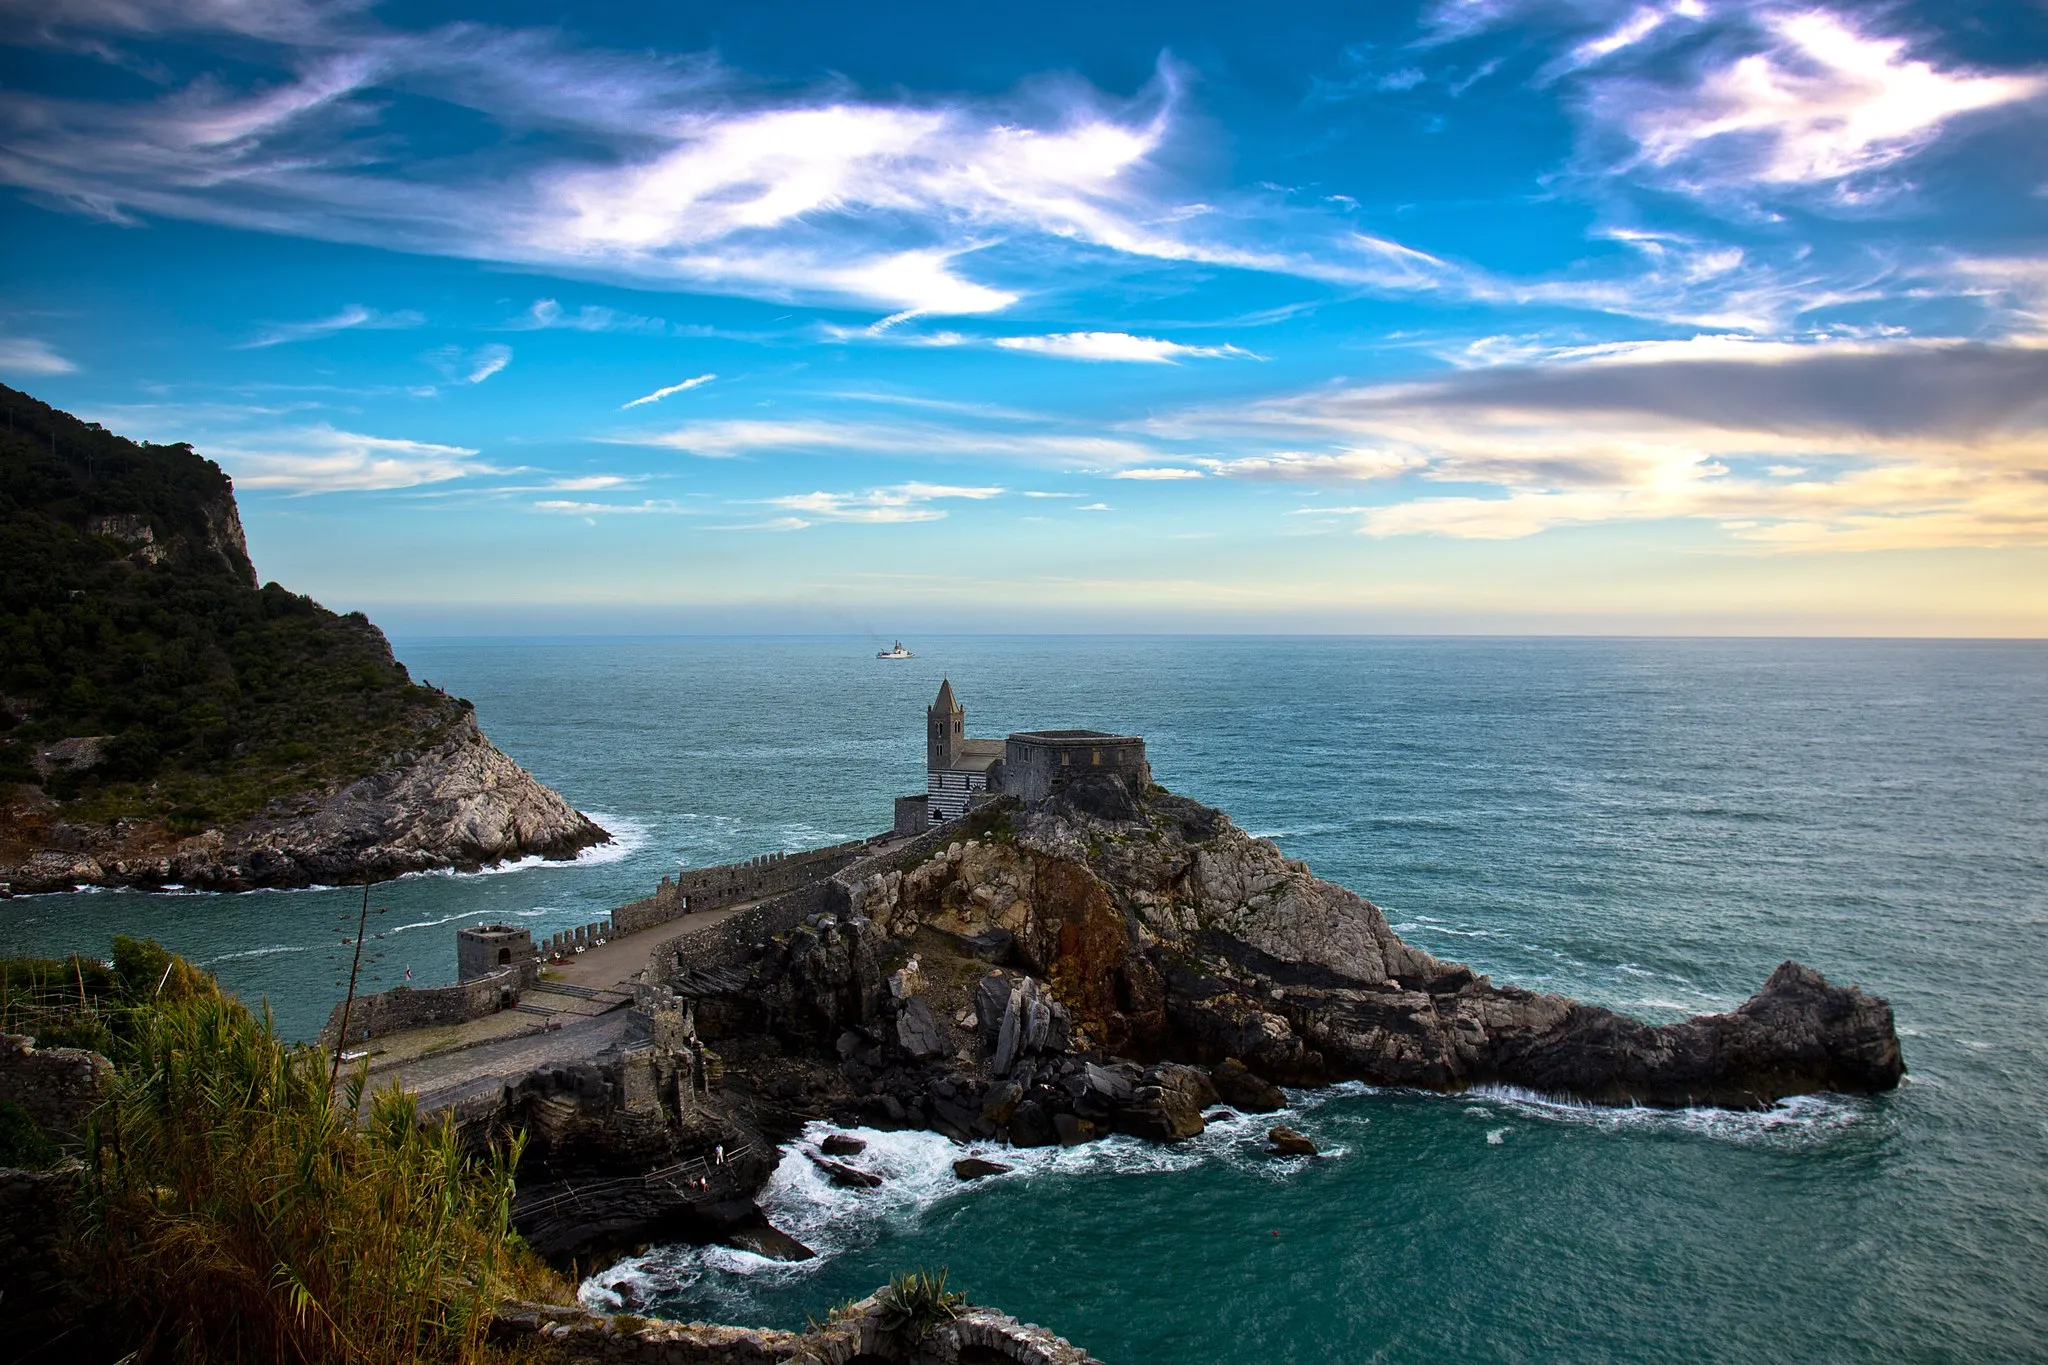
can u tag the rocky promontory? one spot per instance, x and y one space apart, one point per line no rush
1119 961
165 720
459 802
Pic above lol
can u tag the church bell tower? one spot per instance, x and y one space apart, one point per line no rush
945 729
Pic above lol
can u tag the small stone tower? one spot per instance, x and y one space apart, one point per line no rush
945 729
486 948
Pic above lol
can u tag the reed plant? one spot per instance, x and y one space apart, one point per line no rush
237 1207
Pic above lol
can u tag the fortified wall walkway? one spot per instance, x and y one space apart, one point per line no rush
572 1014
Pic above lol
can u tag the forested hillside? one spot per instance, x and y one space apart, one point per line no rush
131 626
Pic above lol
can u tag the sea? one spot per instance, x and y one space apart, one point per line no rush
1652 825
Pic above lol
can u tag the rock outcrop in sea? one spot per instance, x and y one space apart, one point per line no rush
1109 961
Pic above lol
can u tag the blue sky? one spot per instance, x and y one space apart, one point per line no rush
1672 316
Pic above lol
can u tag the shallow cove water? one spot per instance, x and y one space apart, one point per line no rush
1652 825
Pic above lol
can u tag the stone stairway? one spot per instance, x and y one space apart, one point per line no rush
550 998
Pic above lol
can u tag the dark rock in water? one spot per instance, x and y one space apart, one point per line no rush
1244 1091
1219 1116
918 1031
1287 1142
844 1176
1031 1126
842 1144
1073 1131
974 1168
765 1239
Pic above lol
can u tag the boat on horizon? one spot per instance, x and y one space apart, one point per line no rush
895 651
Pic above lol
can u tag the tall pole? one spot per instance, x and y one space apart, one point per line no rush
348 1001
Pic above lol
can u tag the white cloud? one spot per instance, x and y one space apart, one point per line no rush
1295 466
1823 101
591 483
726 438
546 314
902 503
1116 346
487 361
461 366
354 317
322 459
660 394
1096 507
770 524
652 506
1159 474
663 169
26 355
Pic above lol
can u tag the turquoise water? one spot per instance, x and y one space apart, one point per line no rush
1652 825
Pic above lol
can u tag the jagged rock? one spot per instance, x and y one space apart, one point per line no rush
1025 1020
842 1144
1000 1104
1243 1091
918 1031
843 1175
1167 1104
1112 1086
974 1168
1287 1142
1104 796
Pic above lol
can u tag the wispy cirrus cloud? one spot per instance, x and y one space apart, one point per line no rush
659 394
647 507
1158 474
729 437
547 314
906 502
354 317
323 459
663 170
1118 346
465 366
27 355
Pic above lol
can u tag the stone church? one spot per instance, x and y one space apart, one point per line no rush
961 773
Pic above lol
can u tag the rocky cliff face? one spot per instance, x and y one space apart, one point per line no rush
460 803
1115 962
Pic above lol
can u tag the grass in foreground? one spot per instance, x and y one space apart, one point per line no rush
231 1209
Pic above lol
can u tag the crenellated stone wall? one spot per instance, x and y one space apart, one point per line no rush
733 941
582 936
713 888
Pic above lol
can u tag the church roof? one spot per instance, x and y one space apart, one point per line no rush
945 701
